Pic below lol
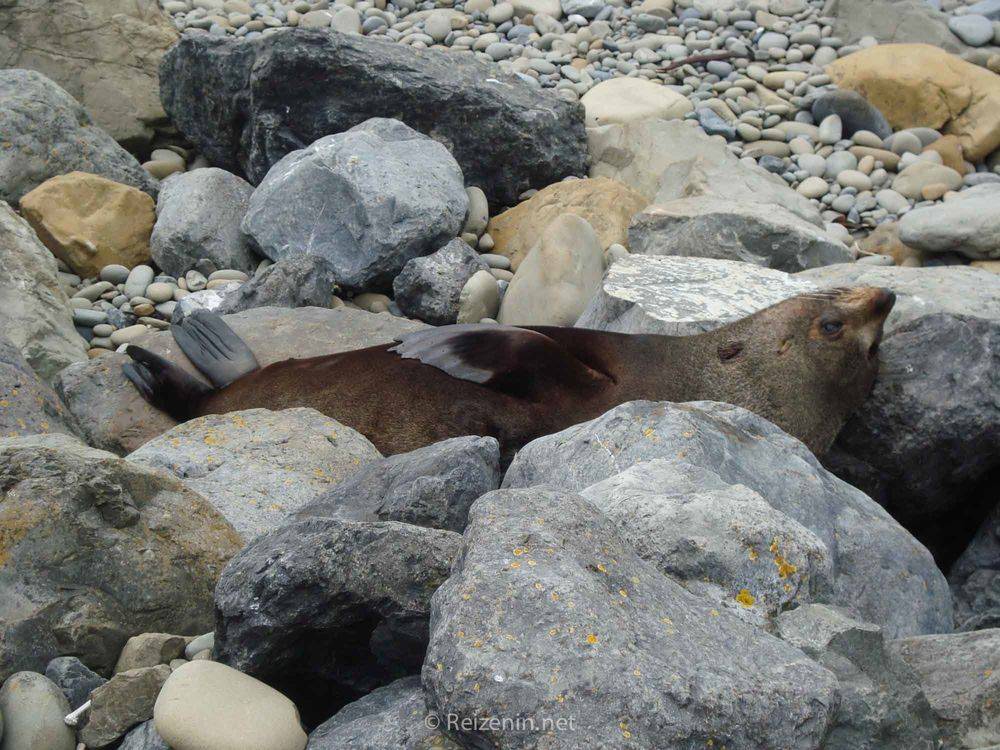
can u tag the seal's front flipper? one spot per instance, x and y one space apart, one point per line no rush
517 361
163 384
212 346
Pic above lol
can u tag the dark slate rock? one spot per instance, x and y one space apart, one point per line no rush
245 106
389 718
143 737
296 281
432 486
428 288
74 678
27 405
856 113
882 706
881 574
975 578
550 615
46 133
367 201
713 124
198 215
327 610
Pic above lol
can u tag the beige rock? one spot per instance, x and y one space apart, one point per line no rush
625 100
884 240
555 282
150 650
607 205
934 191
479 298
106 53
950 149
32 709
889 160
912 180
993 266
917 85
89 222
777 79
205 705
662 8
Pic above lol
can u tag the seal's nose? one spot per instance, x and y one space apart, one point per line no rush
882 301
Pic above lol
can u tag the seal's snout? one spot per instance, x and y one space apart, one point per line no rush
882 301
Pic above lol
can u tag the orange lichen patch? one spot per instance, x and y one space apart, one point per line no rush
714 612
515 565
746 598
213 438
519 551
623 592
238 421
15 523
752 553
591 639
785 568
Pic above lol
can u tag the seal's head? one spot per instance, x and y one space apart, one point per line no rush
812 359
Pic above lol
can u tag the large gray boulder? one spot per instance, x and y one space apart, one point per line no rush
327 610
50 134
114 416
712 227
550 615
880 573
244 105
432 486
922 444
882 706
367 200
428 288
960 675
104 53
684 296
975 578
666 160
388 718
298 281
198 215
968 224
30 407
95 550
257 467
34 311
720 540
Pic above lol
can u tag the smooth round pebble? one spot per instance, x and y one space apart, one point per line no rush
114 273
33 707
855 179
813 187
159 292
892 201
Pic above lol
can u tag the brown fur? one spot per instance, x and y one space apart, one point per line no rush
778 363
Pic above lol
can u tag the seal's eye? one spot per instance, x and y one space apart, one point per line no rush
831 327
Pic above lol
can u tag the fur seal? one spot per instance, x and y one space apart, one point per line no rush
805 364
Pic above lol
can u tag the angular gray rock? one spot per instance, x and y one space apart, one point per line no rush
683 296
143 737
432 486
975 578
50 134
968 224
30 407
198 215
74 678
367 200
549 615
388 718
34 310
257 467
32 709
95 550
326 610
880 573
121 703
710 227
882 706
428 288
298 281
960 675
719 540
243 105
114 416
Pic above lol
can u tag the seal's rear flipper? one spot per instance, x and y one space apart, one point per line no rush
212 346
164 384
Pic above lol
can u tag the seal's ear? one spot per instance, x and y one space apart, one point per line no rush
517 361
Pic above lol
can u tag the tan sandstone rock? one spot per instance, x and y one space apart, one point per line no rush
607 205
106 53
89 222
950 148
884 240
917 85
625 100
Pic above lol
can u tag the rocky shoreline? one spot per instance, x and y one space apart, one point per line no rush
329 176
